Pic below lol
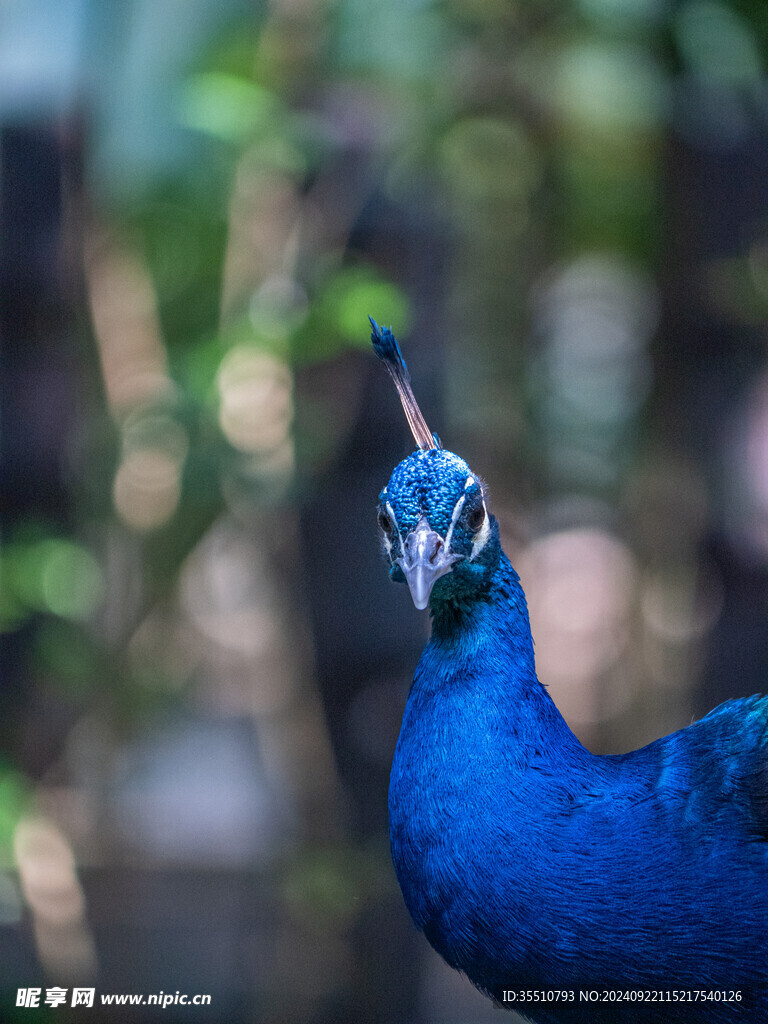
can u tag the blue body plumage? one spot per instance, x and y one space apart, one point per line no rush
531 864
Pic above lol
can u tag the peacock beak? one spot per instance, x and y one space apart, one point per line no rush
425 559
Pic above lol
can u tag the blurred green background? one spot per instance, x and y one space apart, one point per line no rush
561 207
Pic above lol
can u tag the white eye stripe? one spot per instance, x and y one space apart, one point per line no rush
485 530
482 537
389 509
454 520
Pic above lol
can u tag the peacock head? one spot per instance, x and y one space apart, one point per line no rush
432 514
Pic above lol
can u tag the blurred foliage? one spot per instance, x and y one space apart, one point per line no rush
15 800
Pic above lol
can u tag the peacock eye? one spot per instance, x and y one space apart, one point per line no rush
385 521
476 518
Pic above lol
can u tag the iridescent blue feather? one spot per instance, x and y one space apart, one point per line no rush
387 349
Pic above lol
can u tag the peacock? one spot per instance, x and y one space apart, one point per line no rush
568 886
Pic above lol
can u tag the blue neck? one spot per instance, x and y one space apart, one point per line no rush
479 735
500 609
480 655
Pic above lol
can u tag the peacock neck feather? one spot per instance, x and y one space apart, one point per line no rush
479 735
480 658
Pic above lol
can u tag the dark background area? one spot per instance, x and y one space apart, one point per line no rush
562 210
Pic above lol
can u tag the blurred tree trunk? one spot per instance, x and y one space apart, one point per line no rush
711 355
38 390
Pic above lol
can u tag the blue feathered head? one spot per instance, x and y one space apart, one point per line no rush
432 513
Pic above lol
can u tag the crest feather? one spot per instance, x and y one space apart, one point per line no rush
387 349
